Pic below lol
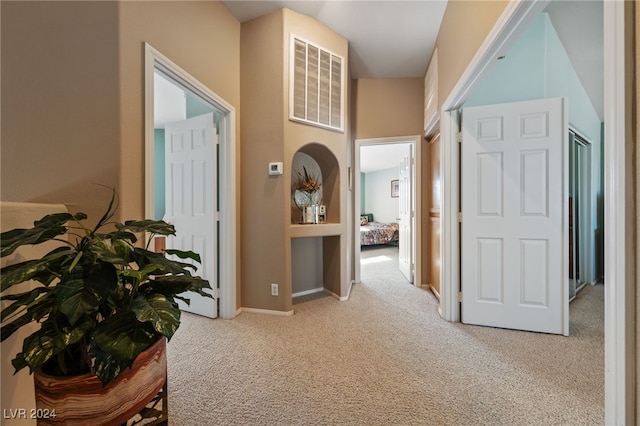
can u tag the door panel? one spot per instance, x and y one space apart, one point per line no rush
191 199
514 227
405 222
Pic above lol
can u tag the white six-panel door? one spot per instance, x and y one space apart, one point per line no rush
405 223
191 199
514 216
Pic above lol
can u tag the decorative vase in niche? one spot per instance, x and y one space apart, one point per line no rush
308 203
312 213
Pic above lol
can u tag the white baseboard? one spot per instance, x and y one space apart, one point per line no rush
434 291
304 293
267 312
343 298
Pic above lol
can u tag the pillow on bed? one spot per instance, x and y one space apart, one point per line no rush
364 220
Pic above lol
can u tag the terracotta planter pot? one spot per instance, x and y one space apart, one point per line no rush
82 400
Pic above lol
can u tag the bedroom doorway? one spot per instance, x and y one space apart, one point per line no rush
189 100
386 197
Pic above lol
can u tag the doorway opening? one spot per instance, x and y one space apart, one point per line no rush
174 96
581 255
619 314
387 203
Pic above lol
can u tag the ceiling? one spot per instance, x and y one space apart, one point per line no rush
387 39
382 156
395 39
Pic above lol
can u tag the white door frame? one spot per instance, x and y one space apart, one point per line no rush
417 200
619 312
227 163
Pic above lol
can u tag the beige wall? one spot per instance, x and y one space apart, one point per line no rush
269 136
60 104
73 112
387 107
262 217
333 157
74 109
464 28
201 37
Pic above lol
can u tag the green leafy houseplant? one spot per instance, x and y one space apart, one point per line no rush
101 298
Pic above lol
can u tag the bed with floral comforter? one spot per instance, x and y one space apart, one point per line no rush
374 233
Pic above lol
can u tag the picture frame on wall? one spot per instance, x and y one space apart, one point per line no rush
395 188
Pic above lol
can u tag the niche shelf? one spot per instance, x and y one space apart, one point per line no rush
321 163
321 249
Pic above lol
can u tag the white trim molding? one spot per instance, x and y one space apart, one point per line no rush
619 329
153 60
268 312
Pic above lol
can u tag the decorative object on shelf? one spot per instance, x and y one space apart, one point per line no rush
101 301
322 215
307 196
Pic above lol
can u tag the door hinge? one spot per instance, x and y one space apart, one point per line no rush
459 137
459 297
217 217
460 217
216 293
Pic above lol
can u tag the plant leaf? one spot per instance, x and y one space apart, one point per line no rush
43 270
21 299
175 284
161 312
154 226
124 337
145 257
120 236
111 208
141 275
44 229
50 340
184 254
106 366
82 291
35 312
107 252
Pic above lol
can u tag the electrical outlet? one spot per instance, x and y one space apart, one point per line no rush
274 289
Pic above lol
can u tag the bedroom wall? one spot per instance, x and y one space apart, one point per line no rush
378 198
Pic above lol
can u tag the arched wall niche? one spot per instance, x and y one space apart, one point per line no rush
322 163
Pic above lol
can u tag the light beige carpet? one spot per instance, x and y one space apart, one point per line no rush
385 357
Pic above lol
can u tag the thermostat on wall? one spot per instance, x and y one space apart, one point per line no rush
275 169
